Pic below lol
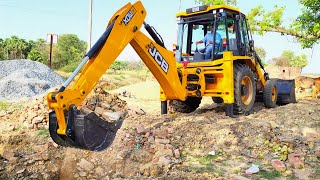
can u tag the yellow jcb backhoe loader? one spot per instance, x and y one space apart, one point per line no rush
232 75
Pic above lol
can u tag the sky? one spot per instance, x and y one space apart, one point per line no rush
33 19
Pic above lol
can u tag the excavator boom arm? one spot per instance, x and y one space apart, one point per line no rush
123 28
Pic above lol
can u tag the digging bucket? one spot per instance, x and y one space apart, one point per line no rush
286 91
84 131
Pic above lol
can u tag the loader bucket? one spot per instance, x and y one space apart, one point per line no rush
286 91
86 132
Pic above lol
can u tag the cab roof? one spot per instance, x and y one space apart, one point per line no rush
206 9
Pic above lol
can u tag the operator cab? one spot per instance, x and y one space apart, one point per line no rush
227 25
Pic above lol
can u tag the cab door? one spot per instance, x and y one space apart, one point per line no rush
243 36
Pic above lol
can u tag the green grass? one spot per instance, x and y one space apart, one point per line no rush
44 133
269 174
4 105
317 172
200 164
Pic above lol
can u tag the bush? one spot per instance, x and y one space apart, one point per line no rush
119 65
69 67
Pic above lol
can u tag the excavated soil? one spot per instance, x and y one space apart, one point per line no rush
204 144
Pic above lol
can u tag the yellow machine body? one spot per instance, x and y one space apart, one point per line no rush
213 78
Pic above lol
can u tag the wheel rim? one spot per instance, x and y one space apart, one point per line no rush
274 93
246 90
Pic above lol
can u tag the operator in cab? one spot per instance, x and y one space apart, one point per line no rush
208 41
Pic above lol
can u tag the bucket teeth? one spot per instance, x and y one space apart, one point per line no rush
90 132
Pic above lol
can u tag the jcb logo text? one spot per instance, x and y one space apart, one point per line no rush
158 58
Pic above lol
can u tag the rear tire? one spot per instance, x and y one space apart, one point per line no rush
244 89
270 94
217 100
187 106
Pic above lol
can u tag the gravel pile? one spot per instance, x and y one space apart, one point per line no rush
26 78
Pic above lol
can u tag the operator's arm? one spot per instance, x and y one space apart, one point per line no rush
203 40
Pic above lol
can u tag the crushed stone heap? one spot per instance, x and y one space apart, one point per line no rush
26 78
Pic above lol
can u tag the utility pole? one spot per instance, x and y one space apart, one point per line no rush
51 35
89 25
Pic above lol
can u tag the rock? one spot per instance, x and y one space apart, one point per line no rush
310 134
176 153
278 165
212 153
150 169
9 155
131 143
140 111
140 129
86 110
151 139
113 116
160 134
31 115
53 168
294 160
40 148
86 165
45 156
37 120
164 152
162 141
164 161
170 130
82 174
46 176
76 175
106 117
21 171
105 105
99 110
147 135
11 128
36 157
99 171
55 144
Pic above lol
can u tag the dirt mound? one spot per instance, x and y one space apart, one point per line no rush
204 144
26 78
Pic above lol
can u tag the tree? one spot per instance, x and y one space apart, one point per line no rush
295 61
281 61
289 59
308 22
262 54
68 52
39 51
2 52
15 48
119 65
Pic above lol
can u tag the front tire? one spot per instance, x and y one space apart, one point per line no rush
187 106
244 89
270 94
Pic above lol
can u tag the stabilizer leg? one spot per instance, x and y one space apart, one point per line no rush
229 110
